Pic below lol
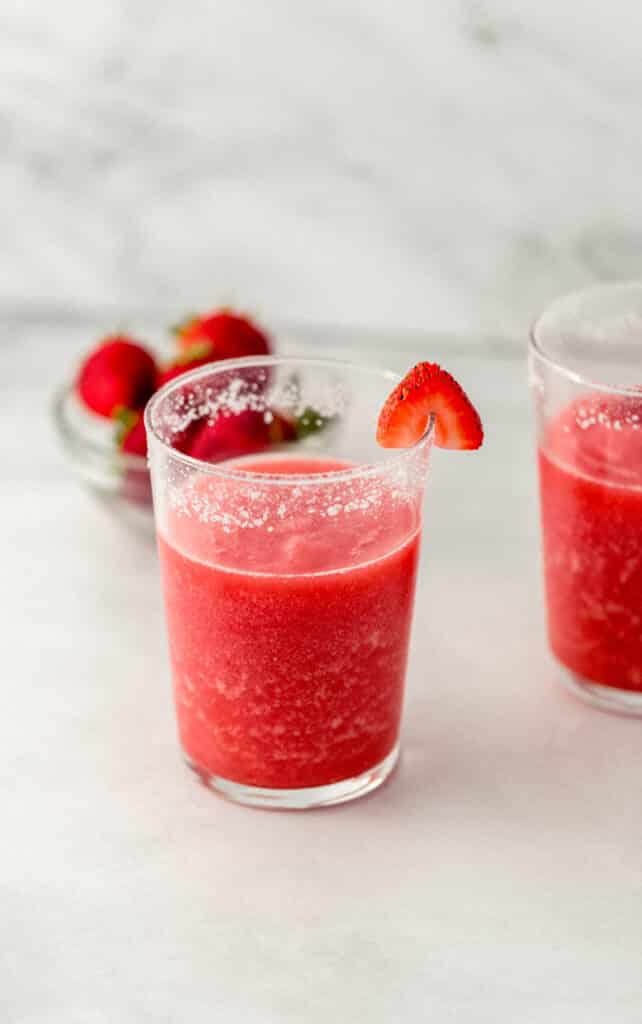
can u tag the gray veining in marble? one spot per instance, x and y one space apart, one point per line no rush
444 165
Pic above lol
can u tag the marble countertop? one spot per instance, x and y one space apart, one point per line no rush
453 164
496 878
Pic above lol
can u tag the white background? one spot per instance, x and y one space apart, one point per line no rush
443 165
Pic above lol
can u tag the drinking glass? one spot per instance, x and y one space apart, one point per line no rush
288 573
586 380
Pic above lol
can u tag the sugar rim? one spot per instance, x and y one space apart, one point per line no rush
538 349
220 469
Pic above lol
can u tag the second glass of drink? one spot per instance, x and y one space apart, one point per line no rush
586 379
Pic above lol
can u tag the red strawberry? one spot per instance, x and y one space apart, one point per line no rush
131 438
230 437
229 335
119 372
192 358
131 435
281 429
428 390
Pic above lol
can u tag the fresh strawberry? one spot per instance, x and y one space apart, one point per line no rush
120 372
428 390
229 335
131 436
230 437
281 429
192 358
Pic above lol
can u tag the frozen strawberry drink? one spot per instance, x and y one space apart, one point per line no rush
590 471
590 463
306 632
289 578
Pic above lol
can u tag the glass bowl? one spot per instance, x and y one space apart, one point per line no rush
117 478
120 479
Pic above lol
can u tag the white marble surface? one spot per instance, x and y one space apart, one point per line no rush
448 166
496 878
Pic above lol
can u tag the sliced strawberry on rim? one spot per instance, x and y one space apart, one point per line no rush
427 391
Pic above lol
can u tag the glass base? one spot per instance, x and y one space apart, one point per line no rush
300 799
606 698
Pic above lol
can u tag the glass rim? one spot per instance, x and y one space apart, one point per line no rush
224 471
538 349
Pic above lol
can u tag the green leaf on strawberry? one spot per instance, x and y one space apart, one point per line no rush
311 422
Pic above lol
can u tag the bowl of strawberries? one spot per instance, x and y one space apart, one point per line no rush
99 414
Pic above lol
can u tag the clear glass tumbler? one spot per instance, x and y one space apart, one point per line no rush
586 380
288 572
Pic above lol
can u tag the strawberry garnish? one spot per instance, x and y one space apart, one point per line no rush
229 335
120 372
427 391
